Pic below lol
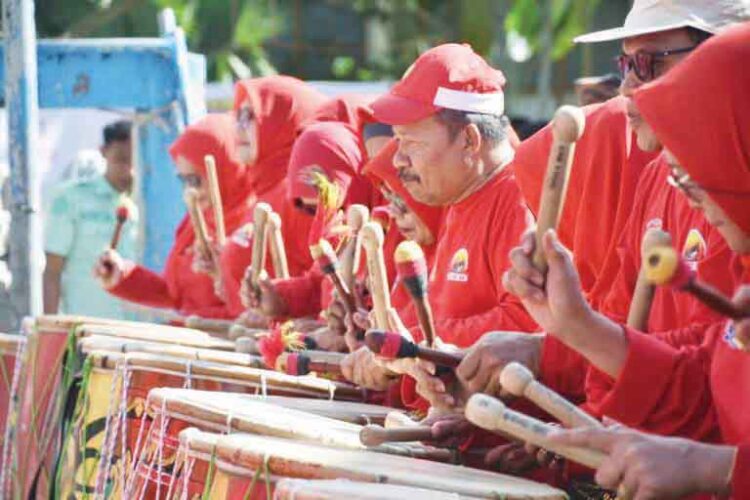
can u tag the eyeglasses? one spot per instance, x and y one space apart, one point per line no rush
190 180
643 63
245 117
306 208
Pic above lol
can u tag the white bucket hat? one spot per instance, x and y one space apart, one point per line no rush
654 16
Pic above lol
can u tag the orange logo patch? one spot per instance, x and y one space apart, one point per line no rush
459 266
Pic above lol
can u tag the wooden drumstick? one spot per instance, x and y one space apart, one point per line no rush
491 414
567 127
643 294
372 241
356 217
665 267
375 435
325 256
215 194
519 381
197 220
276 243
303 363
258 261
412 270
393 346
122 214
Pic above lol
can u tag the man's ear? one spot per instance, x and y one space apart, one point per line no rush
472 139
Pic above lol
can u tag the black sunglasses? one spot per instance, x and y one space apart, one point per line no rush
308 209
643 63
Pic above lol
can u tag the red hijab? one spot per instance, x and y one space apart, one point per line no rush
603 179
280 105
352 109
214 135
700 111
330 148
381 170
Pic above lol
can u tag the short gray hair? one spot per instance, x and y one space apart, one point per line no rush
492 128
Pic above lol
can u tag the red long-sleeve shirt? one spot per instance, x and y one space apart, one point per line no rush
466 291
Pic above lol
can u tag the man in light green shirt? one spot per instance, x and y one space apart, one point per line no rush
79 225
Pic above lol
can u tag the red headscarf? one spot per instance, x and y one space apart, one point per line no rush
330 148
381 170
603 178
280 104
700 111
352 109
214 135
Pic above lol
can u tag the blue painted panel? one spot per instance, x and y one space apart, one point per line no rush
116 73
155 76
161 191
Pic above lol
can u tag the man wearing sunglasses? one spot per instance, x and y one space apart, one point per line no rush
656 36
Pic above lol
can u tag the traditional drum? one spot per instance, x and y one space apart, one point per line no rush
11 358
251 466
51 360
110 410
333 489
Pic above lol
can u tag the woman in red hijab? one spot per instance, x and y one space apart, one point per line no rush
270 112
327 156
700 111
181 288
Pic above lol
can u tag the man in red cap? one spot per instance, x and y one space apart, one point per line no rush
656 36
447 114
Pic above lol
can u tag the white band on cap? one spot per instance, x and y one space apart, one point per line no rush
491 104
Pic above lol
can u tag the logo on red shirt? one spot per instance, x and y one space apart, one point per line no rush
459 266
694 250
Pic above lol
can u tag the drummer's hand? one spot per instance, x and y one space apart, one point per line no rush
359 321
445 397
336 317
515 458
645 466
327 340
480 369
250 295
268 300
253 319
360 368
742 328
111 268
205 261
449 429
559 307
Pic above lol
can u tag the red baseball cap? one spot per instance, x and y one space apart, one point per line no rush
449 76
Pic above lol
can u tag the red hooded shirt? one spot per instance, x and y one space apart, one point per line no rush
180 288
693 389
281 105
334 150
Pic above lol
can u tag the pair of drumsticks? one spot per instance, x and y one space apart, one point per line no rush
197 219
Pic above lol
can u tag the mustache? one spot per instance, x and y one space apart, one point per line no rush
407 176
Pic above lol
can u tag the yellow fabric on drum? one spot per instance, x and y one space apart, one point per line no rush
82 452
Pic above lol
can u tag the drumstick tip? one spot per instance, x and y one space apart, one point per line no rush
515 377
483 410
568 123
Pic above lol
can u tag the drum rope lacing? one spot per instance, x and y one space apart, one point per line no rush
11 420
110 431
160 448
